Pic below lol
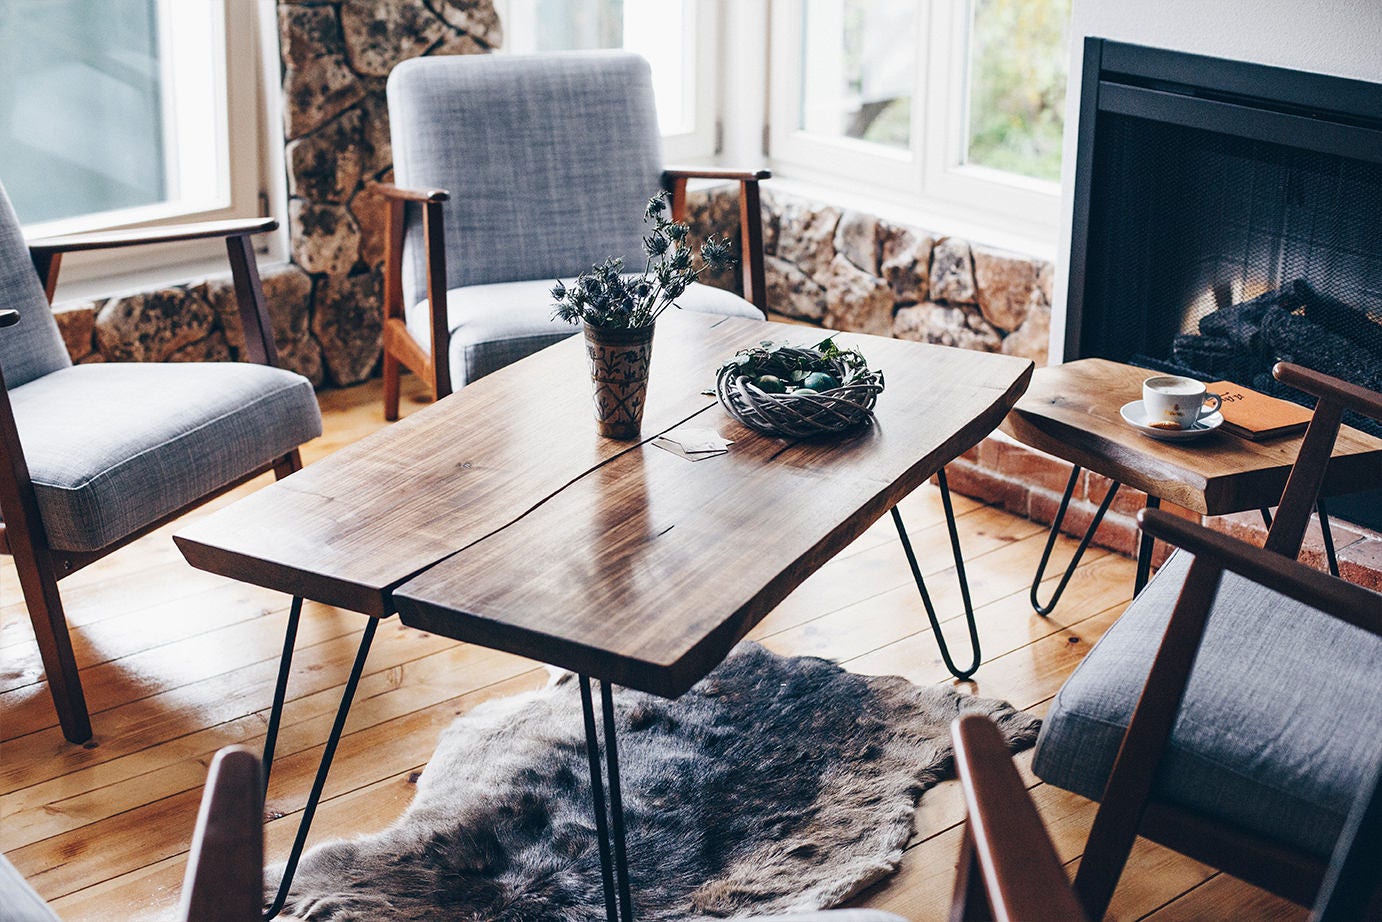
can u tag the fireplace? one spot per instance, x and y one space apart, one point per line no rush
1227 216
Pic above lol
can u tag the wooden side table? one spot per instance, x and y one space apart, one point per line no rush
1071 411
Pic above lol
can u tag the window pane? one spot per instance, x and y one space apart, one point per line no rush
858 67
80 106
1017 66
662 32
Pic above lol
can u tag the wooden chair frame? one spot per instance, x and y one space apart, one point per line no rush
22 534
1010 871
1008 867
1126 808
434 365
225 866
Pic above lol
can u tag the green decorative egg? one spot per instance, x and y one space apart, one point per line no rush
820 381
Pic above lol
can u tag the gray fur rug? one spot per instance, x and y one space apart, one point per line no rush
776 784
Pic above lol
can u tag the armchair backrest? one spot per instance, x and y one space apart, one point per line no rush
549 159
33 347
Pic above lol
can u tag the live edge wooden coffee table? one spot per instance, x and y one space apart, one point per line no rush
1072 411
498 516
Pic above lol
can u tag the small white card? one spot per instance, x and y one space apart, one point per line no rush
694 444
694 441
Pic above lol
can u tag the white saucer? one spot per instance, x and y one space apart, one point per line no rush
1136 416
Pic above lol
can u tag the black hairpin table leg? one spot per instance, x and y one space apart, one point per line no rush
958 556
285 664
1328 536
328 754
1326 533
1050 606
615 873
1144 552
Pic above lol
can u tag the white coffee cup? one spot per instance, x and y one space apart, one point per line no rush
1173 402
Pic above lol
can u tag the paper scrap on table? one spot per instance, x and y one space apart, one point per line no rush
693 441
694 444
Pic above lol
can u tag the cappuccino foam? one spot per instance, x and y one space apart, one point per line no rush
1176 386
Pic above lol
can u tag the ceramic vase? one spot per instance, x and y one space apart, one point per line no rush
619 360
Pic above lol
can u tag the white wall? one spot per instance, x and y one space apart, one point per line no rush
1338 37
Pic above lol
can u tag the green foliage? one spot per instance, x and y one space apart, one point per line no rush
606 296
1017 85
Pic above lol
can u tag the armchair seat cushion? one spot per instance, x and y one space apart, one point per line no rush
498 324
114 447
1280 728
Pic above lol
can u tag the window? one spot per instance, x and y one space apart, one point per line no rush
117 113
1015 87
949 106
676 36
858 70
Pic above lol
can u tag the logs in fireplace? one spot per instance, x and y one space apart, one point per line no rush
1293 323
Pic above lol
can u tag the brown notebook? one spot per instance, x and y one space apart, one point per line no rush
1250 415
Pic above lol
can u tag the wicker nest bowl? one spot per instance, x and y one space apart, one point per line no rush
802 413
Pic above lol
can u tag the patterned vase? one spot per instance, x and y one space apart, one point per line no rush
619 362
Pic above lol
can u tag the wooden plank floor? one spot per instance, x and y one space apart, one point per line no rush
177 663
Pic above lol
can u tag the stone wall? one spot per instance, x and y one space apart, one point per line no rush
325 303
848 270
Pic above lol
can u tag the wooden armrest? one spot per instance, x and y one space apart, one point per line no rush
750 220
175 233
9 318
225 869
1354 604
696 172
400 194
1022 876
1351 396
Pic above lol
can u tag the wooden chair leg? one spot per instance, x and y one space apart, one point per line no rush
40 586
290 463
391 384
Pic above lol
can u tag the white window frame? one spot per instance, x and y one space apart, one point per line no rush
701 25
929 180
245 146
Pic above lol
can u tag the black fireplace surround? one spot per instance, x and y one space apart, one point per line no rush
1228 216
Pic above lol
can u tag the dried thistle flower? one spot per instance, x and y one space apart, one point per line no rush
606 296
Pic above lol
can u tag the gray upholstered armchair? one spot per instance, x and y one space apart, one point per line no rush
94 456
513 171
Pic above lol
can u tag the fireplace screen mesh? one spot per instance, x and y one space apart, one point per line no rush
1217 256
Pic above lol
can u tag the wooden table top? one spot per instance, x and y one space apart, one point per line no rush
1072 411
499 516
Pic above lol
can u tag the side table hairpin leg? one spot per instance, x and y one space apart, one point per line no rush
959 573
1330 557
1056 523
1144 552
1328 537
